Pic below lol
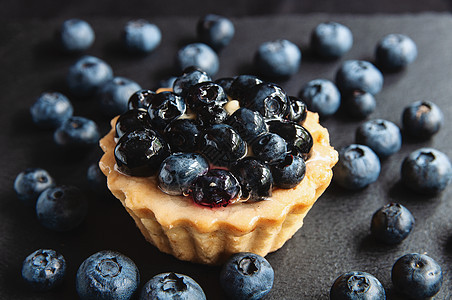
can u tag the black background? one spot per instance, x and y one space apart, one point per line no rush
335 237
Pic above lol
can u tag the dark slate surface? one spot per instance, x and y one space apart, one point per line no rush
335 237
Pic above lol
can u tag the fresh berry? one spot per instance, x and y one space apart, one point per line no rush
290 172
107 275
422 119
51 109
331 40
380 135
395 51
44 269
216 188
321 96
270 148
358 166
225 83
75 35
190 77
164 108
96 179
358 104
278 58
426 171
357 285
77 132
140 36
296 136
131 120
167 286
30 183
359 75
249 124
61 208
140 99
206 94
198 55
267 98
392 223
182 135
215 30
417 276
246 276
241 84
114 95
255 178
297 110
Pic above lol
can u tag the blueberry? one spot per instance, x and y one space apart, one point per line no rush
357 285
182 135
212 115
61 208
297 110
426 171
417 276
107 275
131 120
216 188
278 58
215 30
140 152
51 109
331 40
75 35
249 124
167 286
296 136
190 77
246 276
241 84
164 108
96 179
44 269
358 104
225 83
179 170
267 98
167 83
382 136
270 148
198 55
321 96
77 132
87 74
114 95
140 36
359 75
290 172
395 51
358 166
422 119
140 99
30 183
206 94
392 223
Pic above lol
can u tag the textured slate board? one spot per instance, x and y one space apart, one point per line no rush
335 237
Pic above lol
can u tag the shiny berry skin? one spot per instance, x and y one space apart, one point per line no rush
44 269
75 35
215 30
167 286
216 188
164 108
392 223
131 120
359 75
297 110
358 104
331 40
140 99
422 119
270 148
426 171
211 115
277 58
51 109
61 208
321 96
296 136
249 124
290 172
380 135
417 276
30 183
241 84
206 94
357 285
246 276
114 95
182 135
200 56
269 99
77 132
190 77
107 275
140 153
140 36
395 51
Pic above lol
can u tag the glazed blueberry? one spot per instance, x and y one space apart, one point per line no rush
77 132
321 96
268 99
290 172
114 95
359 75
140 99
297 110
167 286
392 223
206 94
417 276
278 58
225 83
44 269
246 276
30 183
87 74
140 152
131 120
241 84
270 148
422 119
182 135
358 166
96 179
107 275
358 104
164 108
140 36
382 136
215 30
295 135
51 109
357 285
211 115
255 178
198 55
395 51
75 35
190 77
61 208
179 170
331 40
248 123
216 188
427 171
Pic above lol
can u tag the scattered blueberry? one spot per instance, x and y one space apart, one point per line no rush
422 119
249 124
114 95
331 40
296 136
77 132
241 84
255 178
297 110
278 58
140 36
267 98
382 136
290 172
164 108
358 104
167 286
75 35
270 148
392 223
44 269
131 120
395 51
167 82
190 77
359 75
140 99
321 96
357 285
51 109
30 183
215 30
96 179
198 55
182 135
